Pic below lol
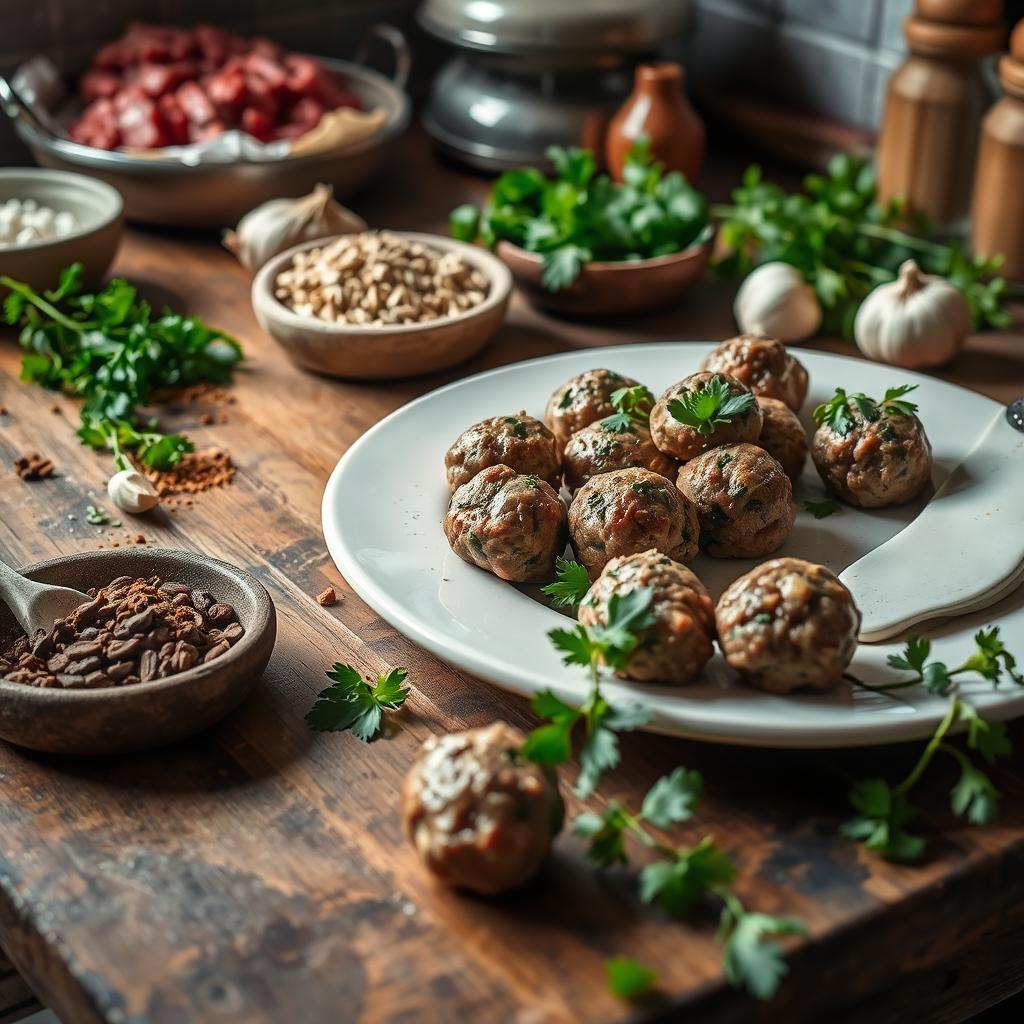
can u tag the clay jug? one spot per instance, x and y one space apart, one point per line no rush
658 109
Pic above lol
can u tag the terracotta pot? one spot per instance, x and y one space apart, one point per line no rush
658 109
612 289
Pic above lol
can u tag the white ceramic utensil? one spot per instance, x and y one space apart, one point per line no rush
36 605
960 554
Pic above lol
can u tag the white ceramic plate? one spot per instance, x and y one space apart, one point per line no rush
386 499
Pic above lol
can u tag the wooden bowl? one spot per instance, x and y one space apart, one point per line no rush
97 208
362 352
115 720
612 289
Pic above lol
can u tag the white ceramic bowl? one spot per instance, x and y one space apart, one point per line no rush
364 352
97 208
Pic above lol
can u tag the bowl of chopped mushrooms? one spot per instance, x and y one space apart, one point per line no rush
375 305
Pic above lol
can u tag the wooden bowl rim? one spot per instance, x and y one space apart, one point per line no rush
696 250
276 312
264 618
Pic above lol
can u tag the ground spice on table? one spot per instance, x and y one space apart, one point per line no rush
33 467
197 471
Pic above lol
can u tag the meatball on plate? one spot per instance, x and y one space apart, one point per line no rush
628 511
783 437
678 644
520 442
703 411
583 399
744 500
608 445
764 365
770 675
510 524
788 625
869 453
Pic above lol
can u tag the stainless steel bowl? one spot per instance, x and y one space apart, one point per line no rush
218 194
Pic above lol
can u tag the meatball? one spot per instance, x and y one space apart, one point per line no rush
744 499
783 437
763 365
600 448
583 400
680 641
683 441
522 442
876 462
627 511
480 815
511 524
787 625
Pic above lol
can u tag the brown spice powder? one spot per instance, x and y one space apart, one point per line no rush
197 471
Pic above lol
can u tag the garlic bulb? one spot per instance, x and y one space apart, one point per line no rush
281 223
775 302
916 320
131 492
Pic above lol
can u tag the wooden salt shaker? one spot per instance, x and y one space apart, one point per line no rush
934 105
658 109
997 220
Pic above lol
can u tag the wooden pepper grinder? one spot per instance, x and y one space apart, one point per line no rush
934 105
658 109
997 220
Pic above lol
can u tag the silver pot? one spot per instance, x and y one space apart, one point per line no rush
218 194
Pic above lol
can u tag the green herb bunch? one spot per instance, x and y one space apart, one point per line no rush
845 242
579 216
110 349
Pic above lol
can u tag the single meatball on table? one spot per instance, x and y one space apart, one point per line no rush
582 400
480 815
703 411
521 442
603 448
763 365
788 625
628 511
679 643
744 500
783 437
871 454
511 524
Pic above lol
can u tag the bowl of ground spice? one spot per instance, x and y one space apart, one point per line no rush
170 642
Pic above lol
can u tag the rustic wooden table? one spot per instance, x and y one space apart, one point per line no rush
258 872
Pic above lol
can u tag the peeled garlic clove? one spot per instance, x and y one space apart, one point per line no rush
916 320
131 492
775 301
281 223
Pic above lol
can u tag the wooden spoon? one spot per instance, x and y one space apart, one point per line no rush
36 605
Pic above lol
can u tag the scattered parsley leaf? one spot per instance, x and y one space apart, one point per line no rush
990 739
710 405
571 585
675 885
551 743
672 798
606 833
99 517
752 961
627 978
974 795
823 509
991 658
880 825
350 702
914 655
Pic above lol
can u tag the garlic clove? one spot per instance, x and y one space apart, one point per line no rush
281 223
915 321
131 492
775 301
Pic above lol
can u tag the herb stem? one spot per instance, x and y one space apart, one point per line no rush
934 744
898 237
635 826
43 306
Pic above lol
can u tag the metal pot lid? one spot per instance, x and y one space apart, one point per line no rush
529 26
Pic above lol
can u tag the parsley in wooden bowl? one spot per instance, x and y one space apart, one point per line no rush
581 244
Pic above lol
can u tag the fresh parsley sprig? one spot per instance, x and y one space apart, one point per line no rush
845 242
822 509
351 702
885 810
577 215
633 406
629 979
710 405
681 877
571 584
840 411
112 351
